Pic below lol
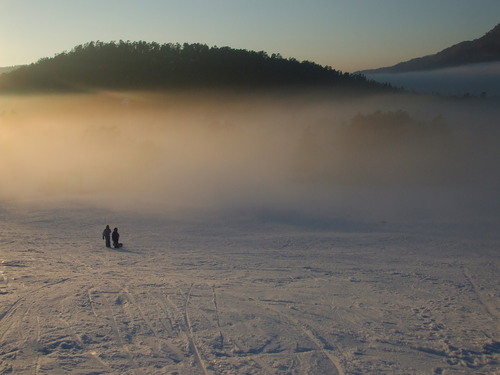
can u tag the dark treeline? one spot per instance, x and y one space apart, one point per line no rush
142 65
383 148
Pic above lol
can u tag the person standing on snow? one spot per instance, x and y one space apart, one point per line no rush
116 238
106 235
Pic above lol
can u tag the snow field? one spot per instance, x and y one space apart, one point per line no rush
214 297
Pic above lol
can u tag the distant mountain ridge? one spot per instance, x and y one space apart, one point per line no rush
484 49
141 65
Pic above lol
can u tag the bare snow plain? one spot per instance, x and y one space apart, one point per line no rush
262 280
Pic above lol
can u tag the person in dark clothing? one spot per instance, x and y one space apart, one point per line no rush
116 238
106 235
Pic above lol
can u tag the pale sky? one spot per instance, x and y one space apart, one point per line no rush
348 35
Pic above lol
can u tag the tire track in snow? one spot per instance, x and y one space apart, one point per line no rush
4 283
182 329
91 301
217 319
89 353
134 303
6 315
165 312
194 349
260 364
38 335
119 339
310 334
29 297
175 353
25 338
16 315
492 312
109 312
20 338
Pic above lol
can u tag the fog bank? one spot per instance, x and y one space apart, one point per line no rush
281 156
474 79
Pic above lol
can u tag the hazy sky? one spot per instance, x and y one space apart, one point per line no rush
346 34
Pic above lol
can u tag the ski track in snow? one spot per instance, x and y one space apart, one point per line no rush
486 305
315 339
189 331
269 300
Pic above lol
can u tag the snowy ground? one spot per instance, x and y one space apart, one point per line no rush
213 296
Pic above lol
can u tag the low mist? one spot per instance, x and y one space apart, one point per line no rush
481 79
297 155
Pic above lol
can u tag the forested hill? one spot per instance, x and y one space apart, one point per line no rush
142 65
